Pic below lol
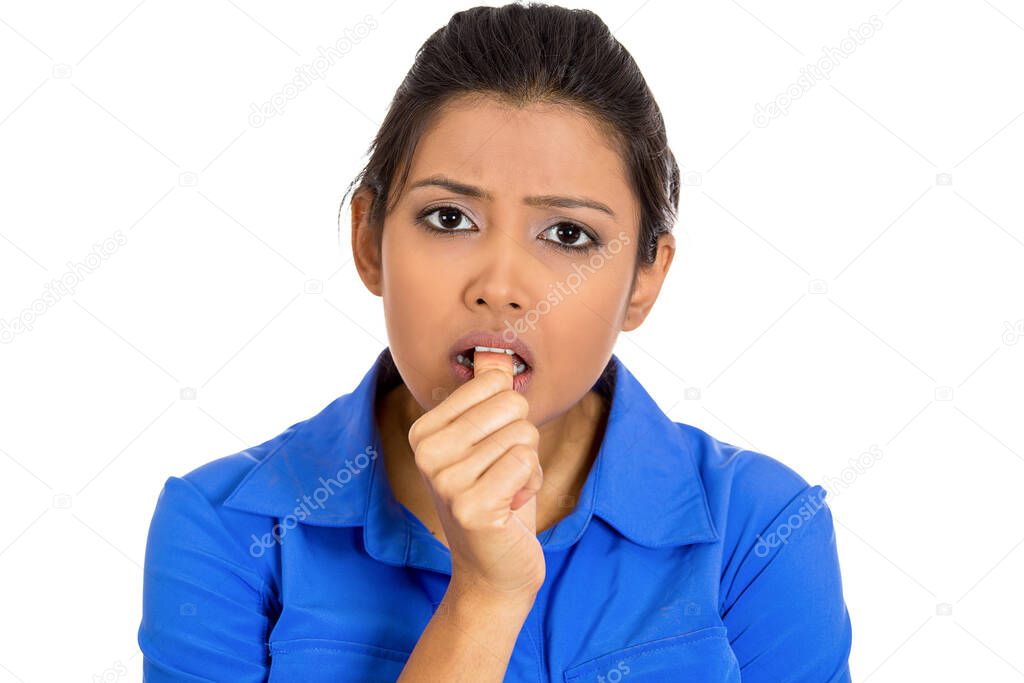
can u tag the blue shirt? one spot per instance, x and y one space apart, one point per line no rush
684 559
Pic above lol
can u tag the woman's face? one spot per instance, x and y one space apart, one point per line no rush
492 233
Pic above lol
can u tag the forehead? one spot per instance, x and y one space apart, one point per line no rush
539 148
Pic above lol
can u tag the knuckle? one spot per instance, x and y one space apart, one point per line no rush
530 464
527 432
443 483
415 433
496 378
524 456
462 509
516 402
426 455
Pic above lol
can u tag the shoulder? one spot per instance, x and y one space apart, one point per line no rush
205 559
757 502
191 506
216 479
781 594
741 480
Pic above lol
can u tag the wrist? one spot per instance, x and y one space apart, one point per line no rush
473 598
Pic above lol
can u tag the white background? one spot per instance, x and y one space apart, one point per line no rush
830 293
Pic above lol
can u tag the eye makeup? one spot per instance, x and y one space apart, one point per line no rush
422 219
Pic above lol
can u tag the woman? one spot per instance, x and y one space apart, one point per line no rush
499 498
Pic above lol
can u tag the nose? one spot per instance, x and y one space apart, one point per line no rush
481 301
495 293
498 284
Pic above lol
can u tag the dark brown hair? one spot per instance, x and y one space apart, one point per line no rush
521 54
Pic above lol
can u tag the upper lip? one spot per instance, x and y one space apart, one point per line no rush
492 339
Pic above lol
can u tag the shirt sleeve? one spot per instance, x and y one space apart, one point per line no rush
205 610
784 610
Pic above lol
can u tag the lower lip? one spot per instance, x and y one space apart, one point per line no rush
464 374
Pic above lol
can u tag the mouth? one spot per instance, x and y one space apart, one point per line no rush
465 358
463 350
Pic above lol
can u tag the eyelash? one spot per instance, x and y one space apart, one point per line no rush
421 220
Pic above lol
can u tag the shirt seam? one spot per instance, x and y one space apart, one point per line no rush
796 537
261 588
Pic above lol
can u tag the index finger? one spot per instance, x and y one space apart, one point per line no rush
489 379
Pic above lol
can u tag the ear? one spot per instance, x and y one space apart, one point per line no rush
365 253
647 283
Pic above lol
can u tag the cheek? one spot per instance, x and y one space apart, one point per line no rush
413 295
412 310
593 297
408 263
582 322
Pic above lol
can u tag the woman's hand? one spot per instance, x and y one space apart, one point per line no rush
478 455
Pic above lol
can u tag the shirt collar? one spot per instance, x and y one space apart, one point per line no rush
326 471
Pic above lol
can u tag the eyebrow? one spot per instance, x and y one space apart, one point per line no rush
546 200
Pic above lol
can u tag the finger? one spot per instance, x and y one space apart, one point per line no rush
532 487
462 474
468 430
513 471
488 360
482 362
483 385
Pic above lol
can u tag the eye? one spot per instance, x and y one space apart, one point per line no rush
447 220
569 237
444 219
